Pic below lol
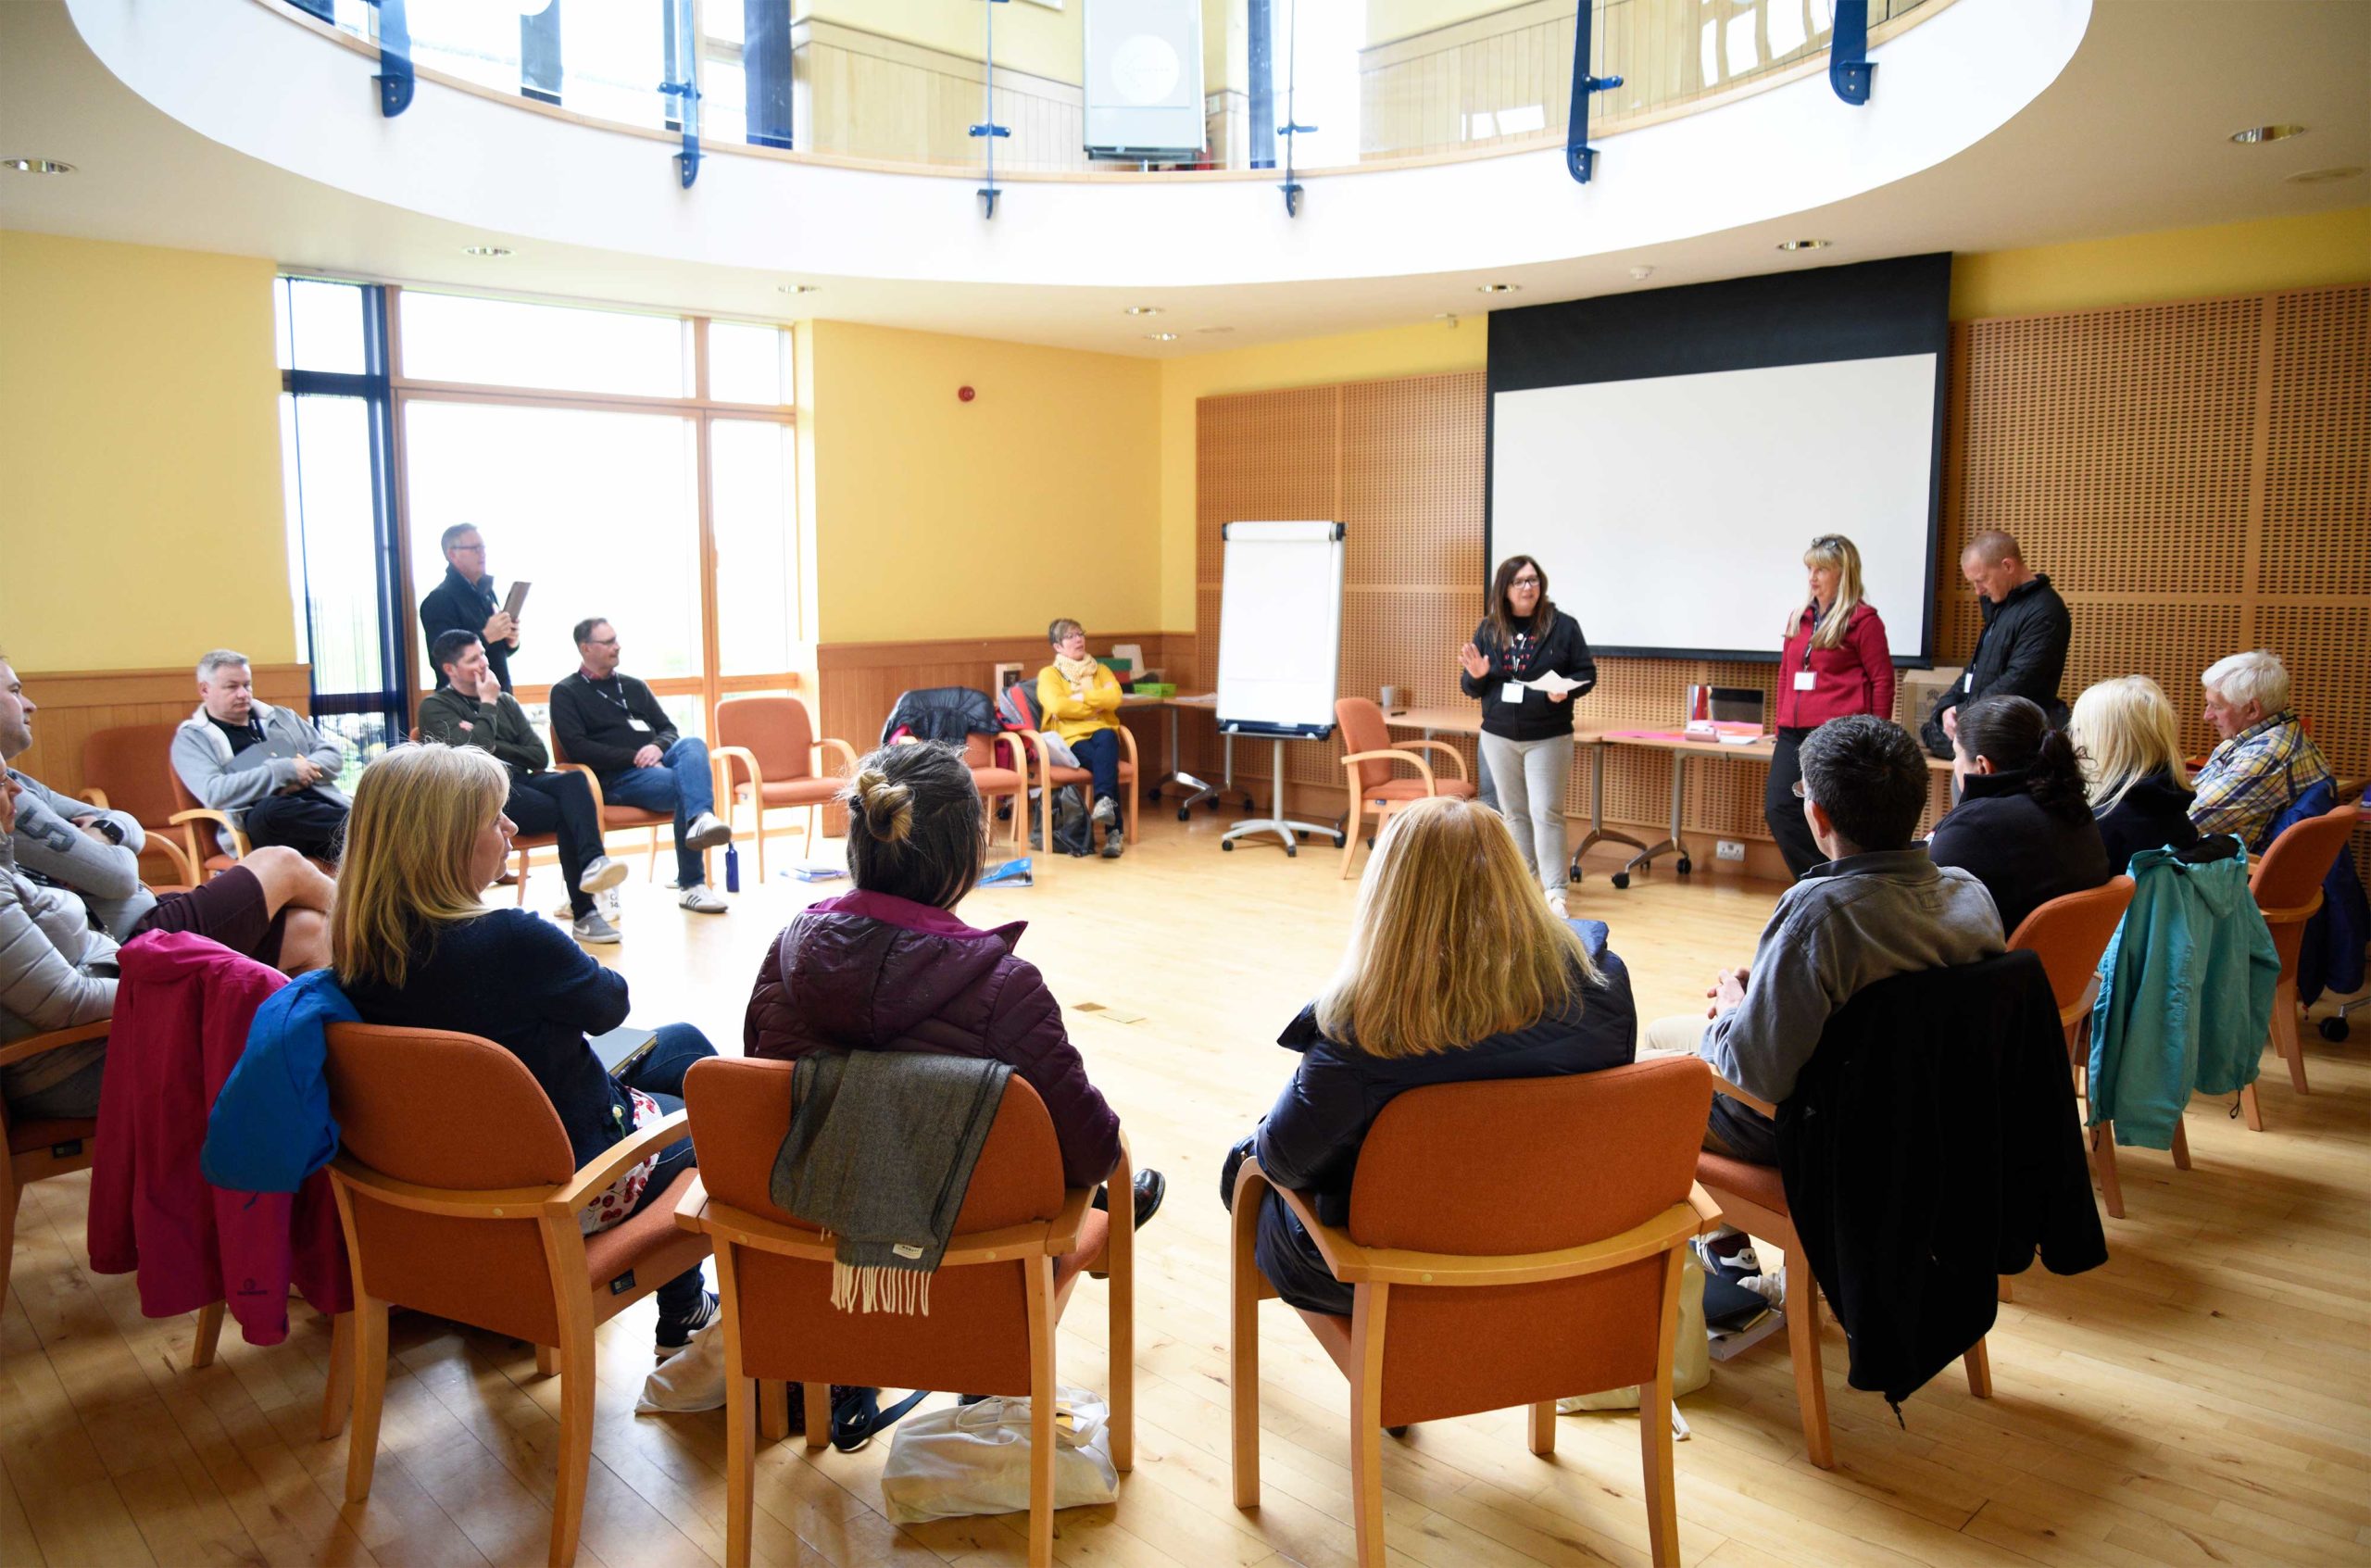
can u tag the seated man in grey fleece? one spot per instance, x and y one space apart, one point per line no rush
287 796
1879 907
273 906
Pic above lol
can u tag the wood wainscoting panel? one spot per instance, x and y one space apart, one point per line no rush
73 704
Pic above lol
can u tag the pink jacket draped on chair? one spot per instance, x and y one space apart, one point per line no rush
180 1023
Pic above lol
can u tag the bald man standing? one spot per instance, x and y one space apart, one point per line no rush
2022 650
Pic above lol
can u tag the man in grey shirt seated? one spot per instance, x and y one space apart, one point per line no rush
1879 907
287 793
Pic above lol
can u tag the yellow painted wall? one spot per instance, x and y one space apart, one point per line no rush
936 517
139 458
1428 349
1030 37
2271 253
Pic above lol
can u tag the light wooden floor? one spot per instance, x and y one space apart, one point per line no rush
2201 1400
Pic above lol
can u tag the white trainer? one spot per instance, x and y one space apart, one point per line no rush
602 875
700 900
1556 903
704 832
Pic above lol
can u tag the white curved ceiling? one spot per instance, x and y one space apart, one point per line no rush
224 126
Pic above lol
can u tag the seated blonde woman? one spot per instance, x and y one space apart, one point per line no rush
1078 698
2130 742
414 948
1457 971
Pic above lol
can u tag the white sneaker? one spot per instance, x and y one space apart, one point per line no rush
612 908
704 832
1556 903
593 929
1106 812
601 874
697 898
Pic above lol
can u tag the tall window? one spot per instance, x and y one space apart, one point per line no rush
632 465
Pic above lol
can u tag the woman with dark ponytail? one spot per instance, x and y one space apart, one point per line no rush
2024 825
889 967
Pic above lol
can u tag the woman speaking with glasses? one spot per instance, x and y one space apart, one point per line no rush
1835 663
1528 662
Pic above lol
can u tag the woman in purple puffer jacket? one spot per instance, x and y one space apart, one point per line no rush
890 968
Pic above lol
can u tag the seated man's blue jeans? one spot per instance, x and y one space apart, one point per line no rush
1099 755
680 783
660 1074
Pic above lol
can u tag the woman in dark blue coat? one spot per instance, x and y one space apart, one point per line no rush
1456 971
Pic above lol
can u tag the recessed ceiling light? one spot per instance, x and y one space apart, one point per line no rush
488 251
799 288
1212 331
2323 176
1804 245
1141 310
36 166
1161 337
2257 133
1498 288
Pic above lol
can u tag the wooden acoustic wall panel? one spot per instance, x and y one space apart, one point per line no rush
2318 482
74 704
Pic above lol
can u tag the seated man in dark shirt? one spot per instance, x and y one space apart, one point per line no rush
471 709
612 725
287 792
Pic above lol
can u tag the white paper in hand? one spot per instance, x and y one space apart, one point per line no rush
1553 684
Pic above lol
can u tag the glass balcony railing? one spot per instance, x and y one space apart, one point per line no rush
905 84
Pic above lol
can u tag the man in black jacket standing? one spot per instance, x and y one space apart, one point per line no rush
611 724
464 602
2022 650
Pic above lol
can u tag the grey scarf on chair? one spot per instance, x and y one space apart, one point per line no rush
880 1154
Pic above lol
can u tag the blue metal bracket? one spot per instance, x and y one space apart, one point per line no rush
686 92
1848 71
989 127
1292 126
395 78
1580 159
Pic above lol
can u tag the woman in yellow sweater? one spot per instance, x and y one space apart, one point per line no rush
1078 698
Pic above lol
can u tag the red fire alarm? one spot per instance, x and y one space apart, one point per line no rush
965 392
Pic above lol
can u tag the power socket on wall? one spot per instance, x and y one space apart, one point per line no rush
1728 850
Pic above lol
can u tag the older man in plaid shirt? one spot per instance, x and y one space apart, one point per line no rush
2266 760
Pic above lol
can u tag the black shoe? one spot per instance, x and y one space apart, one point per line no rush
673 1336
1150 1187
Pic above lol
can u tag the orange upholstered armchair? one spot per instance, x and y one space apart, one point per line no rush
1509 1243
1367 767
39 1150
773 739
1020 1245
2288 885
470 1213
130 768
615 819
2069 933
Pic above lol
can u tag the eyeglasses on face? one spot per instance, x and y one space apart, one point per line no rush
477 549
601 642
1525 582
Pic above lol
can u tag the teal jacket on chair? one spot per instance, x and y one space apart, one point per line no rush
2185 993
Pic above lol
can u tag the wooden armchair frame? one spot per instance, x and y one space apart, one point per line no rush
1372 1272
1410 752
1801 1291
184 866
579 1310
752 1411
725 756
2287 922
1128 773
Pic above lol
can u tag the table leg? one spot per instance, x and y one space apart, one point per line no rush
1672 843
1599 833
1195 790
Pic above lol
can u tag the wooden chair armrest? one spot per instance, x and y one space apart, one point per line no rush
724 757
1127 741
846 753
196 815
1741 1097
1061 1233
96 797
691 1210
173 852
597 1177
1441 746
1024 742
2295 914
1394 755
591 781
35 1045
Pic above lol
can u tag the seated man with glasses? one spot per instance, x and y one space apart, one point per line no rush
464 601
1879 907
612 725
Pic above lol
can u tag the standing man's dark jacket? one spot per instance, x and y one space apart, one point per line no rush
458 604
592 720
2024 854
2020 652
1930 1146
